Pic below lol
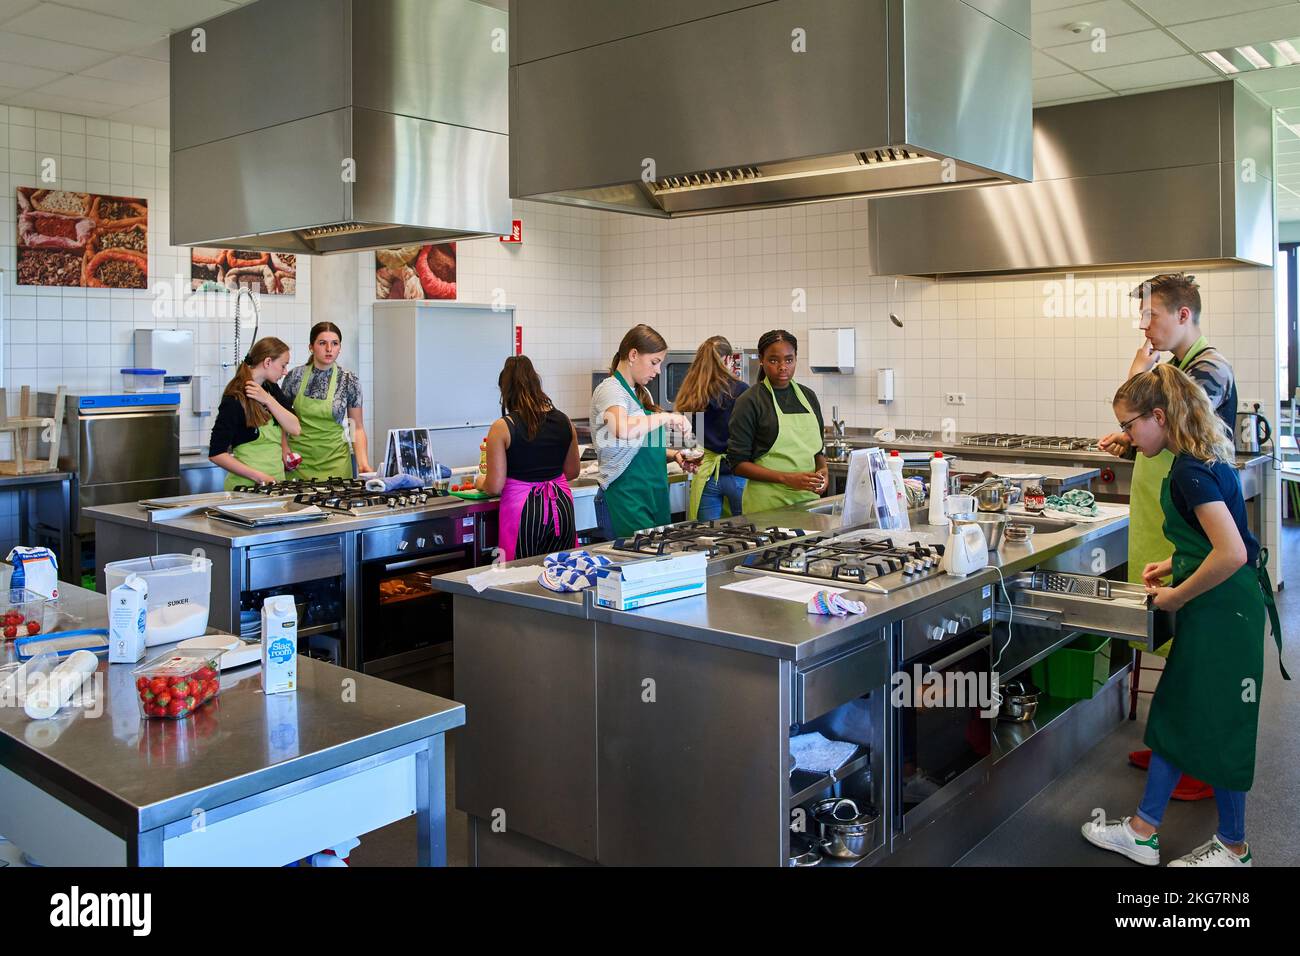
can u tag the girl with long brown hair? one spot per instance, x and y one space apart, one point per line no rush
532 455
709 392
246 437
325 396
628 430
1205 713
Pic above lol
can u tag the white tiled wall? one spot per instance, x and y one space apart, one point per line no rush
992 338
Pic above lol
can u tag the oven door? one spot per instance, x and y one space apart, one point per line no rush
671 376
406 620
944 726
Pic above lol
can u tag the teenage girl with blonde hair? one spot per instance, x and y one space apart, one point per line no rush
710 391
1205 712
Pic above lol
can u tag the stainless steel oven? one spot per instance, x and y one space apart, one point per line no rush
405 625
744 365
942 698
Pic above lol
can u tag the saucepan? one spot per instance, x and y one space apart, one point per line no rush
1019 701
847 832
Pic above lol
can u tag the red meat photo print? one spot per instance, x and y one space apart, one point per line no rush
416 272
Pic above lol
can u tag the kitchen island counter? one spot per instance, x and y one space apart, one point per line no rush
249 779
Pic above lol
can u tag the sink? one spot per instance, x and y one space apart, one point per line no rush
1043 525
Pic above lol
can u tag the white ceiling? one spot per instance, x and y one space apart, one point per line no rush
108 58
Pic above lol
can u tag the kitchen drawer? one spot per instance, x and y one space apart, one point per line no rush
277 565
822 687
1078 602
416 538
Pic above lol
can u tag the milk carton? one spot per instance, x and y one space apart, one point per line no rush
279 645
127 616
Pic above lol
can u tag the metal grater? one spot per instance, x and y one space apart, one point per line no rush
1071 584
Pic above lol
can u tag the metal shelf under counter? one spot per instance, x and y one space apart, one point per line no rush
806 784
1008 735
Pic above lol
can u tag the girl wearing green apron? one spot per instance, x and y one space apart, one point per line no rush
246 437
776 433
323 443
709 393
1205 712
628 432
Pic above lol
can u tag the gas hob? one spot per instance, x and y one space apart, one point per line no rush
346 495
872 561
714 538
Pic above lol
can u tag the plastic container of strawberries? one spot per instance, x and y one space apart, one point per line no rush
175 685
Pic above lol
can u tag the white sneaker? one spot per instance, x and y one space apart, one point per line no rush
1118 837
1214 853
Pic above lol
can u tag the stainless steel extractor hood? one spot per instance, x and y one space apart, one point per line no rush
318 126
686 107
1176 176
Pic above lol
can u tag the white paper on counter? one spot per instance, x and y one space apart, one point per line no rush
782 588
500 576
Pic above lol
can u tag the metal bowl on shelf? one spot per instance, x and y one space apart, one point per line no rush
803 850
1019 701
847 832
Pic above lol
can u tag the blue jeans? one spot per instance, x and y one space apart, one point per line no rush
725 485
603 522
1161 780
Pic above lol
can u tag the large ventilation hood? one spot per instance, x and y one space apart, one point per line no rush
319 126
1177 176
687 107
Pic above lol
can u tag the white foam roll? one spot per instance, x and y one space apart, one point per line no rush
45 701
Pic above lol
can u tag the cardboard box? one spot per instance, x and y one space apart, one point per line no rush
634 584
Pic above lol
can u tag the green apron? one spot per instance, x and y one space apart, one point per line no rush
638 498
798 443
264 453
1199 721
1147 543
710 468
322 444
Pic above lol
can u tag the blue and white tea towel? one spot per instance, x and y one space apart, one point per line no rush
571 570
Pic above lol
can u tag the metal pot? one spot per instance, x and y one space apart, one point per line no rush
838 450
1019 701
847 832
803 850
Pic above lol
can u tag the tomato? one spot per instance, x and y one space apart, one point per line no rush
33 627
10 631
13 617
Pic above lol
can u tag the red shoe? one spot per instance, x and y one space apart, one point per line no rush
1189 788
1140 759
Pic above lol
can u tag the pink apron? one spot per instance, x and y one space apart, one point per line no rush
515 495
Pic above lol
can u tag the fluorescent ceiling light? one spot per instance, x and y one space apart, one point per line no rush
1288 50
1255 57
1220 62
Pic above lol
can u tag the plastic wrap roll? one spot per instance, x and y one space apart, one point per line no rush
44 702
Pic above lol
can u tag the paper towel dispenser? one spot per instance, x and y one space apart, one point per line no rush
831 351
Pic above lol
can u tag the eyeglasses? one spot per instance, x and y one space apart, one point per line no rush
1125 426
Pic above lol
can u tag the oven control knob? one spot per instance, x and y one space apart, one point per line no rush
437 540
951 626
937 632
966 622
419 542
403 545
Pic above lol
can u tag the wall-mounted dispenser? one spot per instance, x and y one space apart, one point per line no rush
831 351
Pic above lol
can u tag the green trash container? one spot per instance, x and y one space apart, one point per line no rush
1078 671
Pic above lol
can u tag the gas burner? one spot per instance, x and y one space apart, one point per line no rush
306 486
346 495
873 563
714 538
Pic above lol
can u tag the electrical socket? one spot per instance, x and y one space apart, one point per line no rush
955 398
1248 405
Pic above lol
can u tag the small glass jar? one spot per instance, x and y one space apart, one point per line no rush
1035 499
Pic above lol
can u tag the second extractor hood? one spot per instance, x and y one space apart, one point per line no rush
688 107
319 126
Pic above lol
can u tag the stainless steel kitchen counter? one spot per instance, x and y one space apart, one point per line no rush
130 776
202 528
780 628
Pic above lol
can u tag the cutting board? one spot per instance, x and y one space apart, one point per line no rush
471 495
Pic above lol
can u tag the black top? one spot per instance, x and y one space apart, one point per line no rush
754 425
717 418
1193 483
542 458
231 428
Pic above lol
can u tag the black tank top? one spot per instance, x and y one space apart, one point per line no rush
542 458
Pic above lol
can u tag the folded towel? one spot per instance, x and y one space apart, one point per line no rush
500 576
1075 502
818 754
835 605
393 483
571 570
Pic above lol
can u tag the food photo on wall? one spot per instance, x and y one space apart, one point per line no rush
79 239
230 270
416 272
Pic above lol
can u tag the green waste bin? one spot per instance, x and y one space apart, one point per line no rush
1075 672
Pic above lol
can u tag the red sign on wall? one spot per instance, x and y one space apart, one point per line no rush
516 233
519 340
